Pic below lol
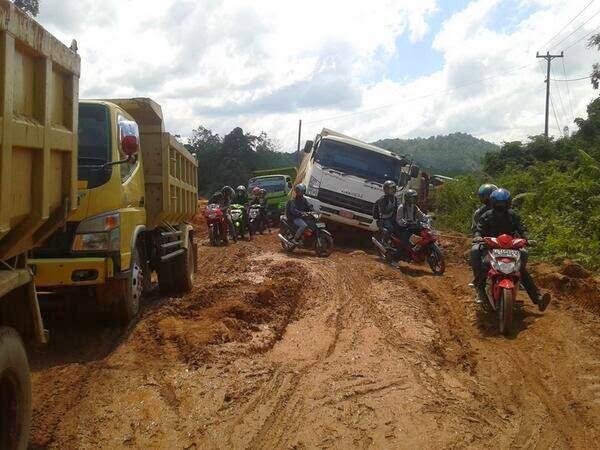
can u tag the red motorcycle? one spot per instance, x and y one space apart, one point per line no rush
218 227
504 277
422 247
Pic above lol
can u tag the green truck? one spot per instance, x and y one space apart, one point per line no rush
278 183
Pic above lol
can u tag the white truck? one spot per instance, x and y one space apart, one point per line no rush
344 177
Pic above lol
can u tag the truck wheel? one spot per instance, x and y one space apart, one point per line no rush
184 270
165 278
15 391
129 305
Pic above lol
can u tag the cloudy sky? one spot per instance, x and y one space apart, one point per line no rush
372 69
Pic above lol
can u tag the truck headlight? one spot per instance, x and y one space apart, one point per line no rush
99 233
313 187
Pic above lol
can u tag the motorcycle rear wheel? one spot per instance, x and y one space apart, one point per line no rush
214 237
436 260
505 312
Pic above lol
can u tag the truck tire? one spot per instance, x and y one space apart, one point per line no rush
165 278
128 305
184 270
15 391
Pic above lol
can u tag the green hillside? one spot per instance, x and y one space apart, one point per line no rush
453 154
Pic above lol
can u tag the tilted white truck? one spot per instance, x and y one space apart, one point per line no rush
344 177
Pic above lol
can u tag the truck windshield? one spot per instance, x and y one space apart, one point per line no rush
94 144
352 160
269 184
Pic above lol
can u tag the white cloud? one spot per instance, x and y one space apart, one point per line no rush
264 64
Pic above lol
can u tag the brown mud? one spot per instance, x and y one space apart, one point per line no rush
293 351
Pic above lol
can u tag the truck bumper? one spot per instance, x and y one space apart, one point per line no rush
343 216
58 272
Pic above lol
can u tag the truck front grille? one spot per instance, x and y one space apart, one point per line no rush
345 201
59 244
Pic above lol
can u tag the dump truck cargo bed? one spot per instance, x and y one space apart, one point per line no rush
170 170
39 82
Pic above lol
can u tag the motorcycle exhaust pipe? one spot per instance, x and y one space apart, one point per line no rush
286 242
379 245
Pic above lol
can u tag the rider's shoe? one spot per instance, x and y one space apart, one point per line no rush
481 295
543 301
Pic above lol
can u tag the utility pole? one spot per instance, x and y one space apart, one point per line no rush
548 57
299 138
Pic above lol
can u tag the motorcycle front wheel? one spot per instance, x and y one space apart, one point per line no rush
436 260
505 312
214 237
324 245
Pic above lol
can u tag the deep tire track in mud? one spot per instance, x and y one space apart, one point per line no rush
273 350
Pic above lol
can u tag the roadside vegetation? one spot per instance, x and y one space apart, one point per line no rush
556 187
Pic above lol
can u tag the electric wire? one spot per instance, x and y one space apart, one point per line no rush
569 23
555 116
562 60
575 30
563 110
595 30
572 79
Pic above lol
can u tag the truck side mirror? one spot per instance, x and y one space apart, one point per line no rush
289 184
414 171
308 146
130 145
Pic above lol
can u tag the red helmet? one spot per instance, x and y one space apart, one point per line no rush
256 191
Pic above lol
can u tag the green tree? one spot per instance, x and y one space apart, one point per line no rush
31 7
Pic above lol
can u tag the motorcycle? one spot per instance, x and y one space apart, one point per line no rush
423 247
257 219
503 278
217 225
315 237
238 217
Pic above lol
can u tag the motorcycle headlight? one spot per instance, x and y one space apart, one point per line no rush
505 267
99 233
313 187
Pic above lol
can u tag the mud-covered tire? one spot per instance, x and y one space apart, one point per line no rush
15 391
213 237
184 271
436 260
324 245
128 305
505 312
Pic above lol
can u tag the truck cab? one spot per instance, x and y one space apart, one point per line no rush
344 177
278 184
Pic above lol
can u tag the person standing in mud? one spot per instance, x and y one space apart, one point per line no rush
384 212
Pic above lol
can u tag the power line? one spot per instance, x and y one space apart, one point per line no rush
555 117
569 23
568 89
573 79
562 104
575 30
582 38
548 57
433 94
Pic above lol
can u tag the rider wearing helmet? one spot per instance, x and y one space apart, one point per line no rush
216 199
385 209
241 196
484 192
501 219
409 216
228 194
295 210
256 196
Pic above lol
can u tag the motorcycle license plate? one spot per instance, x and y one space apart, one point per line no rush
235 216
320 225
253 214
346 214
506 253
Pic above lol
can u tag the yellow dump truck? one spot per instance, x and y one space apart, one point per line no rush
137 196
39 79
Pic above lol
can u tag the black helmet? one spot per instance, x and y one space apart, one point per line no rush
500 200
300 188
484 192
241 189
389 187
228 192
410 197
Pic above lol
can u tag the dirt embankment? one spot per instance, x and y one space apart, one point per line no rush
293 351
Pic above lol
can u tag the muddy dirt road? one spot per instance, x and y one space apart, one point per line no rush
278 351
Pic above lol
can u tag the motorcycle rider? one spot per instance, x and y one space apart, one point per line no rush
295 211
484 192
257 199
216 199
228 195
241 196
384 212
502 219
409 216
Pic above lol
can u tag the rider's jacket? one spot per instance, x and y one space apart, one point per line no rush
476 216
494 223
258 201
385 207
409 214
296 207
240 199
